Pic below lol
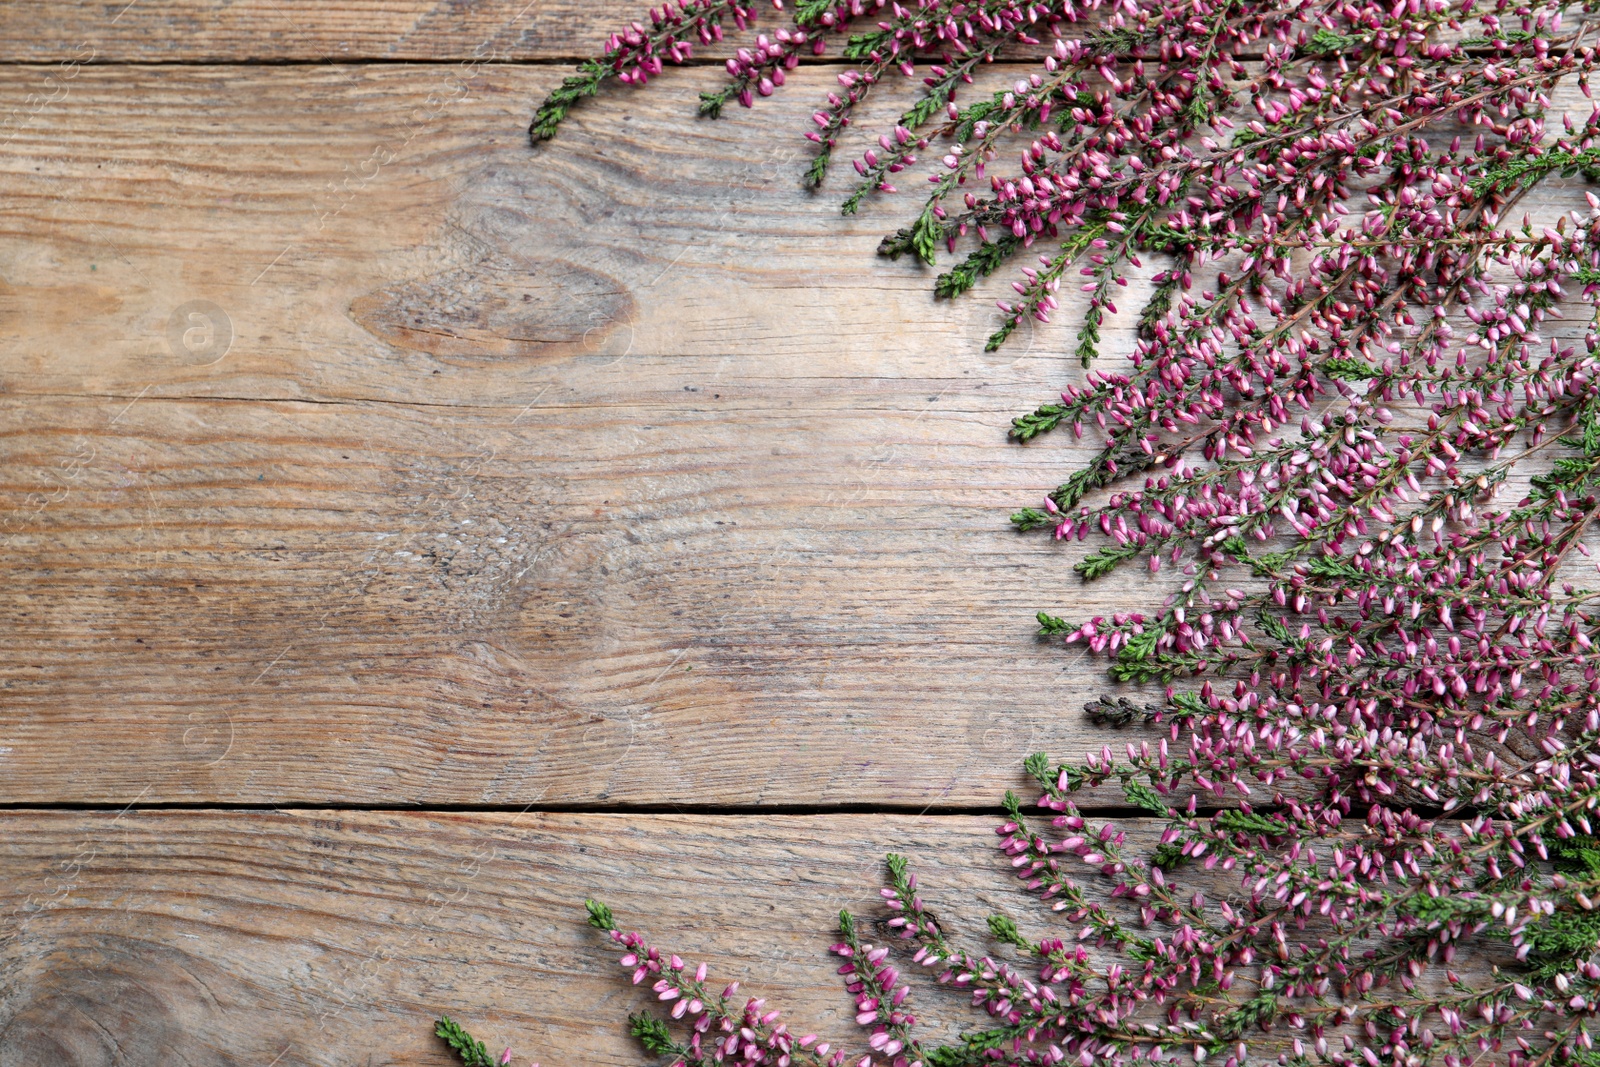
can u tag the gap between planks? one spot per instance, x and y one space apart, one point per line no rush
1104 811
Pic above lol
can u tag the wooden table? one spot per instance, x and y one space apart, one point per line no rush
408 534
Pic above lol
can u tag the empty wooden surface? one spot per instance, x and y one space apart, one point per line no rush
206 31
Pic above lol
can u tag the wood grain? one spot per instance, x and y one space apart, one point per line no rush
330 938
210 31
608 473
617 473
754 593
279 31
326 209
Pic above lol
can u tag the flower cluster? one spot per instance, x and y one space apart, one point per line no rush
721 1028
1358 439
637 53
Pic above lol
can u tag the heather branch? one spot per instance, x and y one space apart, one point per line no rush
1339 379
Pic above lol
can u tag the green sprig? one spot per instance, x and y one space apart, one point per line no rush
600 916
586 83
468 1049
652 1033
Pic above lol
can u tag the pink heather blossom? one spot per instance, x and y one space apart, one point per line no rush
1355 445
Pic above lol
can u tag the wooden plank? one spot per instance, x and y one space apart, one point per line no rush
220 31
326 210
345 31
384 232
719 517
767 591
333 937
209 31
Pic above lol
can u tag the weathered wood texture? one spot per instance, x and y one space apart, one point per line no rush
313 30
619 471
321 31
332 938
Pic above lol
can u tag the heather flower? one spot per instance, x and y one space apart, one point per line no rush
1358 439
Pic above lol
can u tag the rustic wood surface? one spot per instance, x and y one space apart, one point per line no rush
578 477
616 474
621 471
209 31
331 938
323 31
